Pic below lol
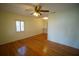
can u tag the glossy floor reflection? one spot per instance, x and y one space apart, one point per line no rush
36 46
22 50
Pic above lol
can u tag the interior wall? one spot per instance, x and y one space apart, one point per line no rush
32 25
63 26
45 25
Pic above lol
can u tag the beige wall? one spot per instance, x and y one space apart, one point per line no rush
33 26
45 25
63 27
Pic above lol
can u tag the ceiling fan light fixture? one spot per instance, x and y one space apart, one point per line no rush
36 14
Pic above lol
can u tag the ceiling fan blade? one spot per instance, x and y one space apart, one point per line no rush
40 13
44 10
37 8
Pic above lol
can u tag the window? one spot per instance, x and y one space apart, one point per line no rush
19 26
22 26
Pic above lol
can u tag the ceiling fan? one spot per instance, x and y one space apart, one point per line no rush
37 10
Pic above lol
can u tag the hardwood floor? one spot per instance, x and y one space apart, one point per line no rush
37 46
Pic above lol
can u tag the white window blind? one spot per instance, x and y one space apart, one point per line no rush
19 26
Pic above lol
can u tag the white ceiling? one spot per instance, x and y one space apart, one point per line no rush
27 8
